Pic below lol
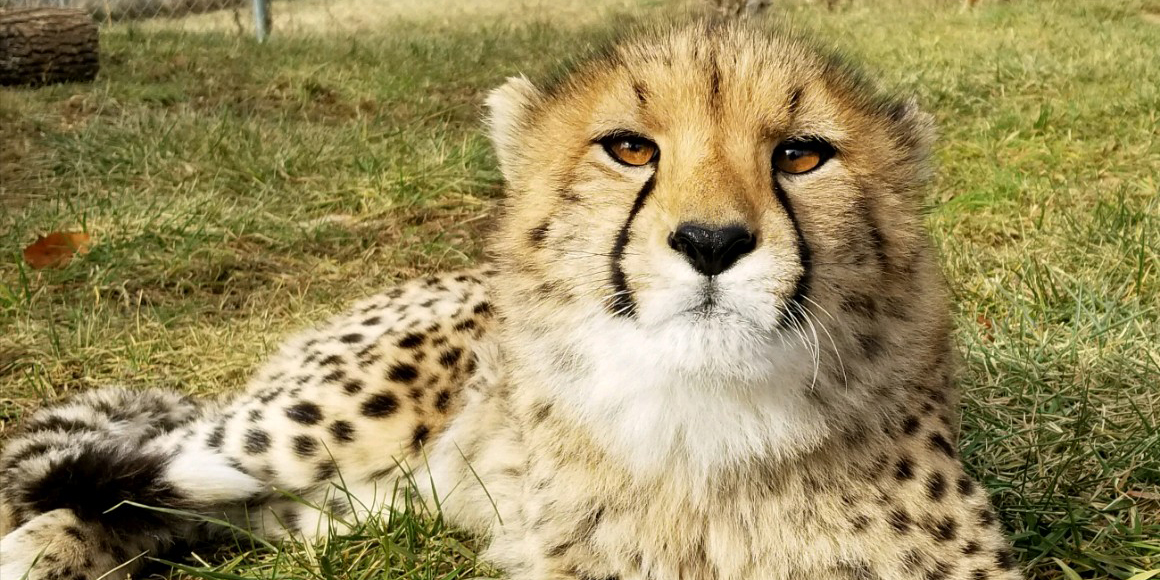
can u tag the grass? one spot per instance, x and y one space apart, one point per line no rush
238 191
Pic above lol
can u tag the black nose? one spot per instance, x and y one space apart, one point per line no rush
712 251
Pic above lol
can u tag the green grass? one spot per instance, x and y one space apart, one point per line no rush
238 191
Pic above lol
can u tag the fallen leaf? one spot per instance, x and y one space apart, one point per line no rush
56 249
986 324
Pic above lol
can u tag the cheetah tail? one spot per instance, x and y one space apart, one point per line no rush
94 479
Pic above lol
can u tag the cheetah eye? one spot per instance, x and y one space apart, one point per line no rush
796 156
629 149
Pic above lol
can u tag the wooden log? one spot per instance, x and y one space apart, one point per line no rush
40 46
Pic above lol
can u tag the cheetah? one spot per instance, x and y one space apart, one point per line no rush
713 342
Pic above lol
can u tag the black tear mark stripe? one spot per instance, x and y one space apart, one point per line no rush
802 286
623 303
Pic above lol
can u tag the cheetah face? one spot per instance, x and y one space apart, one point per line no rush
705 188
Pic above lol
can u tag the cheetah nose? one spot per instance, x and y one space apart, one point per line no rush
712 251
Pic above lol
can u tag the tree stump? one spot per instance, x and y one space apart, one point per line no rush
40 46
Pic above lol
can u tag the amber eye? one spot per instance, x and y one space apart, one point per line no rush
631 150
800 156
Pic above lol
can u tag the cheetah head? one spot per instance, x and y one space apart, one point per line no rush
711 184
695 206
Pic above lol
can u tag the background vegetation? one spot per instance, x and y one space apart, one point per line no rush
238 191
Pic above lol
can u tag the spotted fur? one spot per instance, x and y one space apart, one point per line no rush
623 415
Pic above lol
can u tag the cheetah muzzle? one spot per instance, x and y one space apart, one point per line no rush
713 344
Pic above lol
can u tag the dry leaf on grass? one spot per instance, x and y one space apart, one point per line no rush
56 249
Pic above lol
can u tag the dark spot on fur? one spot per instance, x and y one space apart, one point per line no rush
256 441
449 358
419 437
859 523
482 308
214 441
861 304
910 425
443 401
290 520
945 530
871 344
342 431
304 413
965 485
334 376
381 405
936 486
980 575
903 470
331 360
465 325
352 386
896 308
411 340
913 560
340 506
940 443
537 235
270 395
372 321
560 549
57 423
1005 559
986 517
351 338
971 548
381 473
325 471
590 522
548 289
541 413
75 533
305 445
940 571
402 373
900 521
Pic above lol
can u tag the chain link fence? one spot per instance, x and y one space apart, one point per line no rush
249 14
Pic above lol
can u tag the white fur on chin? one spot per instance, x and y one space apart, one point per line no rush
678 388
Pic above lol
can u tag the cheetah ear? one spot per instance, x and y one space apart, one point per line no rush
918 121
917 133
507 112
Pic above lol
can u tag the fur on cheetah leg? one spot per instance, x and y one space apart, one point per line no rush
57 544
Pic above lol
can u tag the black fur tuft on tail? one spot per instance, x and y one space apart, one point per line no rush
94 480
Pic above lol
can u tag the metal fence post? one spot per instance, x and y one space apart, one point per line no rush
262 19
